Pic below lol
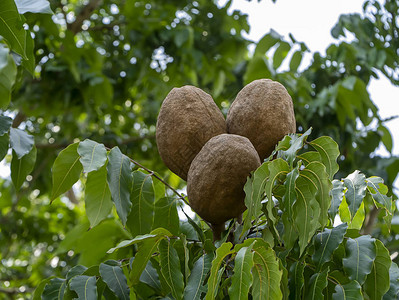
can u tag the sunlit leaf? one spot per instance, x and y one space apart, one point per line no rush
329 152
195 285
33 6
115 279
66 170
92 155
241 280
20 141
84 286
20 168
318 282
350 291
356 191
378 190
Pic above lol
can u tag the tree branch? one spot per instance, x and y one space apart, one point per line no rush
85 13
370 220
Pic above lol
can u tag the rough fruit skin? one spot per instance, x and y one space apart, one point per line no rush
263 112
187 120
216 179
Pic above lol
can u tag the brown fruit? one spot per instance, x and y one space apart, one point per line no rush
263 112
187 120
217 177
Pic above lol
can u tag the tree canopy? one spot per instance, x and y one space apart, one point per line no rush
82 75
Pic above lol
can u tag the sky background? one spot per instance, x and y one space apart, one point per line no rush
310 21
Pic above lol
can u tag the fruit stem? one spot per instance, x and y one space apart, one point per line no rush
217 230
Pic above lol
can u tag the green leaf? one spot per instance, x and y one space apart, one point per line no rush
170 268
296 281
280 54
150 277
296 143
296 61
166 215
195 285
378 190
357 221
337 194
115 279
142 195
4 142
386 137
254 192
318 282
84 286
266 273
20 168
258 68
325 244
377 282
356 191
5 122
76 270
66 170
266 42
349 291
309 157
37 295
119 179
241 280
33 6
393 291
360 254
29 63
98 202
11 27
54 290
20 141
329 152
214 278
92 155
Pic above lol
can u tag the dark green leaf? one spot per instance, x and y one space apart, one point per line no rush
5 122
37 295
33 6
318 282
337 193
76 270
280 54
54 290
66 170
296 143
356 191
350 291
195 285
295 61
115 279
4 142
84 286
150 277
98 202
378 190
20 168
296 281
329 152
20 142
386 137
266 42
119 179
166 215
258 68
92 155
241 280
393 291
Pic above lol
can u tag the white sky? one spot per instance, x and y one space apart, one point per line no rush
310 21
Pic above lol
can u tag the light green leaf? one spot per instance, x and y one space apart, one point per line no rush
349 291
20 141
29 64
295 61
360 254
325 244
214 278
296 143
296 281
377 282
357 221
318 282
4 142
166 215
266 273
20 168
309 157
84 286
33 6
393 291
254 192
266 42
141 218
378 190
329 152
115 279
258 68
280 54
54 290
356 191
337 194
98 202
170 268
195 285
241 280
92 155
11 27
386 137
119 179
5 122
66 170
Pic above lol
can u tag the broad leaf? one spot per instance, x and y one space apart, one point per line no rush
84 286
266 42
66 170
309 157
355 222
54 290
393 291
37 294
356 191
296 281
92 155
20 168
296 143
378 190
350 291
325 244
280 54
33 6
150 277
195 285
5 122
266 273
295 60
115 279
318 282
241 280
4 142
360 254
336 193
329 152
75 271
377 282
214 278
97 196
254 192
170 268
141 217
21 142
166 215
119 179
